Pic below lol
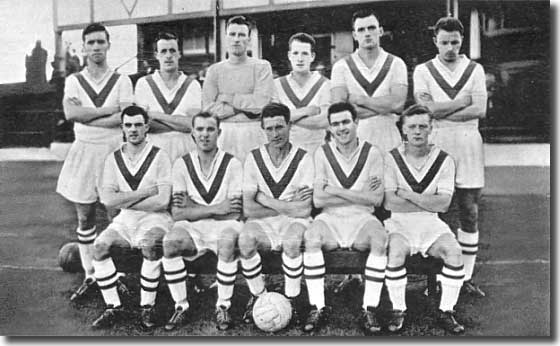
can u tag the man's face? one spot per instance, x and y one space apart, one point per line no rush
205 134
237 39
417 129
277 131
367 32
168 55
343 128
96 46
448 44
301 56
134 128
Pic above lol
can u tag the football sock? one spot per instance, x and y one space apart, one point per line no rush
106 276
469 244
395 279
149 280
252 271
176 276
451 282
225 277
85 244
293 270
314 274
375 276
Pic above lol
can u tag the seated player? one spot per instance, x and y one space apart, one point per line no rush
136 180
206 208
277 198
348 185
419 181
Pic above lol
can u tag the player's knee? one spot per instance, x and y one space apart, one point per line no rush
451 253
247 241
312 239
86 216
292 247
397 251
378 241
101 248
226 244
174 243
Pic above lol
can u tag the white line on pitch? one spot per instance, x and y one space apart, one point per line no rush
10 266
508 262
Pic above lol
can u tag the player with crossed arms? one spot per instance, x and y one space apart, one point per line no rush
348 185
206 207
136 180
306 93
93 99
171 99
453 87
419 182
277 197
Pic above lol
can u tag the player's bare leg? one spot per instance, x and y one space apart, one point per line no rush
176 244
373 238
107 277
317 238
396 280
452 276
292 265
225 277
251 239
151 247
86 236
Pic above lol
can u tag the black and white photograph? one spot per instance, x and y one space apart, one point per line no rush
276 168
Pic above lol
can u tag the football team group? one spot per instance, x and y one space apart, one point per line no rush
297 164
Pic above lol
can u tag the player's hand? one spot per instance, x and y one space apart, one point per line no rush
402 193
74 101
465 101
425 97
152 190
179 200
324 184
313 110
373 183
303 193
229 206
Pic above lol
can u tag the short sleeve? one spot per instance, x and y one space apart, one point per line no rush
179 176
479 82
400 73
141 93
71 87
109 178
235 186
307 169
193 96
164 169
325 95
420 79
446 179
320 166
338 74
390 173
250 175
376 168
125 90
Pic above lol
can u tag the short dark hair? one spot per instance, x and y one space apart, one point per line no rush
135 110
449 24
414 109
341 107
165 35
206 115
275 109
364 14
240 20
302 37
94 27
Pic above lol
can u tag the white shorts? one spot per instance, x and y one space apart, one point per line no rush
464 144
275 227
176 144
79 177
133 225
307 139
381 131
345 227
206 233
420 229
239 139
